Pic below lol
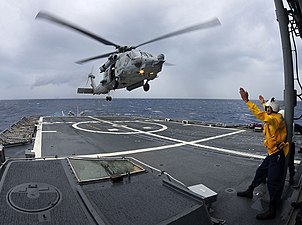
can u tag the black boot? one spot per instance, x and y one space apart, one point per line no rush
246 194
269 214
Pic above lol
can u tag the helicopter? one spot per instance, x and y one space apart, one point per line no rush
126 67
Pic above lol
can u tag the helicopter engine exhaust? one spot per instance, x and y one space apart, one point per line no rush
112 59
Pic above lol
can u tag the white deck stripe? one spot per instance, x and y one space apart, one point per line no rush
38 140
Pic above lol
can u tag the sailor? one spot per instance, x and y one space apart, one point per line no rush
272 168
291 164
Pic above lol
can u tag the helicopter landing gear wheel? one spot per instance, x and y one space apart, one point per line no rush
109 98
146 87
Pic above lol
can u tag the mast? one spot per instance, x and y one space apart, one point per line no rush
289 92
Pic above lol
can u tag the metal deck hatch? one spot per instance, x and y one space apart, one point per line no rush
33 197
88 169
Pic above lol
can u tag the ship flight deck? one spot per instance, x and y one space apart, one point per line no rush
221 159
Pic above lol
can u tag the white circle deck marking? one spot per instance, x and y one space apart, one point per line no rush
115 124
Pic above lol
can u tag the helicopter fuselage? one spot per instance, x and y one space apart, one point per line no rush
130 70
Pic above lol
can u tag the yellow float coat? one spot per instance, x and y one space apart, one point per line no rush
274 129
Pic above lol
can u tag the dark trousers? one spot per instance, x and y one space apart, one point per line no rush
271 169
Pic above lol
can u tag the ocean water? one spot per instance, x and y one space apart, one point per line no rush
231 112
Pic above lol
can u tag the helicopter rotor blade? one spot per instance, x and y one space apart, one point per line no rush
204 25
169 64
51 18
95 57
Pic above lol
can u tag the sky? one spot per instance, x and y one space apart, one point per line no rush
37 58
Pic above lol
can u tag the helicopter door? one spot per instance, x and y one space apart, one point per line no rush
112 72
112 76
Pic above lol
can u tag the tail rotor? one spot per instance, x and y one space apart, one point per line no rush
90 75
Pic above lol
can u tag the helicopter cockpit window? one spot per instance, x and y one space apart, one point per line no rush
146 54
86 169
136 58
